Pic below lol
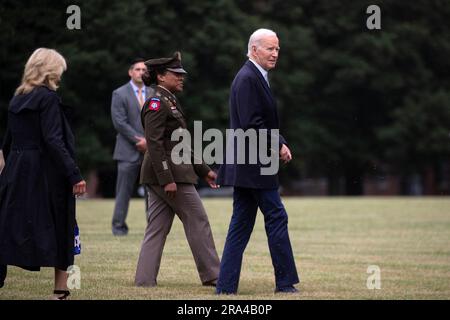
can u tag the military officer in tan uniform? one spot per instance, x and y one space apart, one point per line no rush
171 186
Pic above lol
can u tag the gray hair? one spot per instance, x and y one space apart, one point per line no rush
255 38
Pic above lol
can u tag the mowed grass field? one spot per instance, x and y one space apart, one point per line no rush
334 240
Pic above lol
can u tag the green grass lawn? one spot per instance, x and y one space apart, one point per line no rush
334 241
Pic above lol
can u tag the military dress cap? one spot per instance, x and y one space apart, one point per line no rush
172 64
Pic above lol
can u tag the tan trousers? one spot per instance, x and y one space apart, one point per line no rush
161 211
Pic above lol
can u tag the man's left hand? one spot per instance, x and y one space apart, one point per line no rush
285 154
141 145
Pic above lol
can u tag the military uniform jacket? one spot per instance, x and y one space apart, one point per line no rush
161 115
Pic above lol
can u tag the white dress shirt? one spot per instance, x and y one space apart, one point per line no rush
264 72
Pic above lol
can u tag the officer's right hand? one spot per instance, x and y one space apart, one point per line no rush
141 145
211 179
171 189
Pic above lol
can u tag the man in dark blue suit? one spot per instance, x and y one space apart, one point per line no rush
253 107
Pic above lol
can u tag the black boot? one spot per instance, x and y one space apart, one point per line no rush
2 275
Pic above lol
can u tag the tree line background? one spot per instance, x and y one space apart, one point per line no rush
354 103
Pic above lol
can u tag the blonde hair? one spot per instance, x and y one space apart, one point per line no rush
43 68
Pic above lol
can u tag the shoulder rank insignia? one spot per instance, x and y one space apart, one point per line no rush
154 104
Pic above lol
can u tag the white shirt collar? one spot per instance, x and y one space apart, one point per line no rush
261 69
136 88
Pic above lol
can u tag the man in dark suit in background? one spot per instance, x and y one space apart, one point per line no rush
252 106
126 105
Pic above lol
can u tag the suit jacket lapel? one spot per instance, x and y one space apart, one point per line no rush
180 108
173 98
261 79
133 97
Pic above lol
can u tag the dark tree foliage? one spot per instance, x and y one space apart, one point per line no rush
350 98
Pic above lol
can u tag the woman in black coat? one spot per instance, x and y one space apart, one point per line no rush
40 179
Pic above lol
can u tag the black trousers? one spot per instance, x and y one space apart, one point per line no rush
245 206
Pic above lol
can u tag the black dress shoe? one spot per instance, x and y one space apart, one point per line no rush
221 292
288 289
211 283
3 270
120 232
120 229
61 294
